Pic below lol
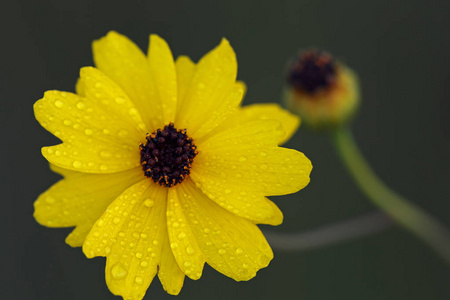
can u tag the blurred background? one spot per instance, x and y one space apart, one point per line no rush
400 49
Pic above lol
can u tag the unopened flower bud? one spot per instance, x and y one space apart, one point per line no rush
322 91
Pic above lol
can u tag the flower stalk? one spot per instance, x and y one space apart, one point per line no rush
410 216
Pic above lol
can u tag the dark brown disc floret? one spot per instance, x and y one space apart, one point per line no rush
313 71
167 155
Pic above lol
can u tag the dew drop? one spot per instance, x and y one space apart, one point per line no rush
149 202
88 131
59 103
80 105
206 230
122 133
187 264
138 280
227 191
181 235
144 264
50 200
118 271
239 251
132 111
173 245
100 223
139 255
189 250
76 164
103 167
120 100
222 251
105 154
67 122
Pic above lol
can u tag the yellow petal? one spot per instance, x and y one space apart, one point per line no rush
80 199
185 70
208 101
182 240
122 61
131 234
101 133
269 111
243 85
232 245
239 166
169 273
162 68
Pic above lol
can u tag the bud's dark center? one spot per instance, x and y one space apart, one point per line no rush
167 156
313 71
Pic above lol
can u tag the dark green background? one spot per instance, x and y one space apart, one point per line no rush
401 51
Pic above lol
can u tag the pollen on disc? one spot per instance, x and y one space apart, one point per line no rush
167 155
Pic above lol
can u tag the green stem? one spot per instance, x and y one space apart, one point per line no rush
410 216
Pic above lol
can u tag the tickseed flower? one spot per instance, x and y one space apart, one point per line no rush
163 170
321 90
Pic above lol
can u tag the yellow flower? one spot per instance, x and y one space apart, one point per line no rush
189 192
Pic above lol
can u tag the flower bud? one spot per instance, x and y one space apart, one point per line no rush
322 91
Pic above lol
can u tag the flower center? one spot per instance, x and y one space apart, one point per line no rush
168 155
313 71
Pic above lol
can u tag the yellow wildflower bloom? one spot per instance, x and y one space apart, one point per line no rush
163 170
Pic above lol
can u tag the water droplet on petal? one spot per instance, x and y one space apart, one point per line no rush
118 271
149 202
59 103
77 164
80 105
139 255
144 264
222 251
138 280
239 251
50 200
123 133
120 100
